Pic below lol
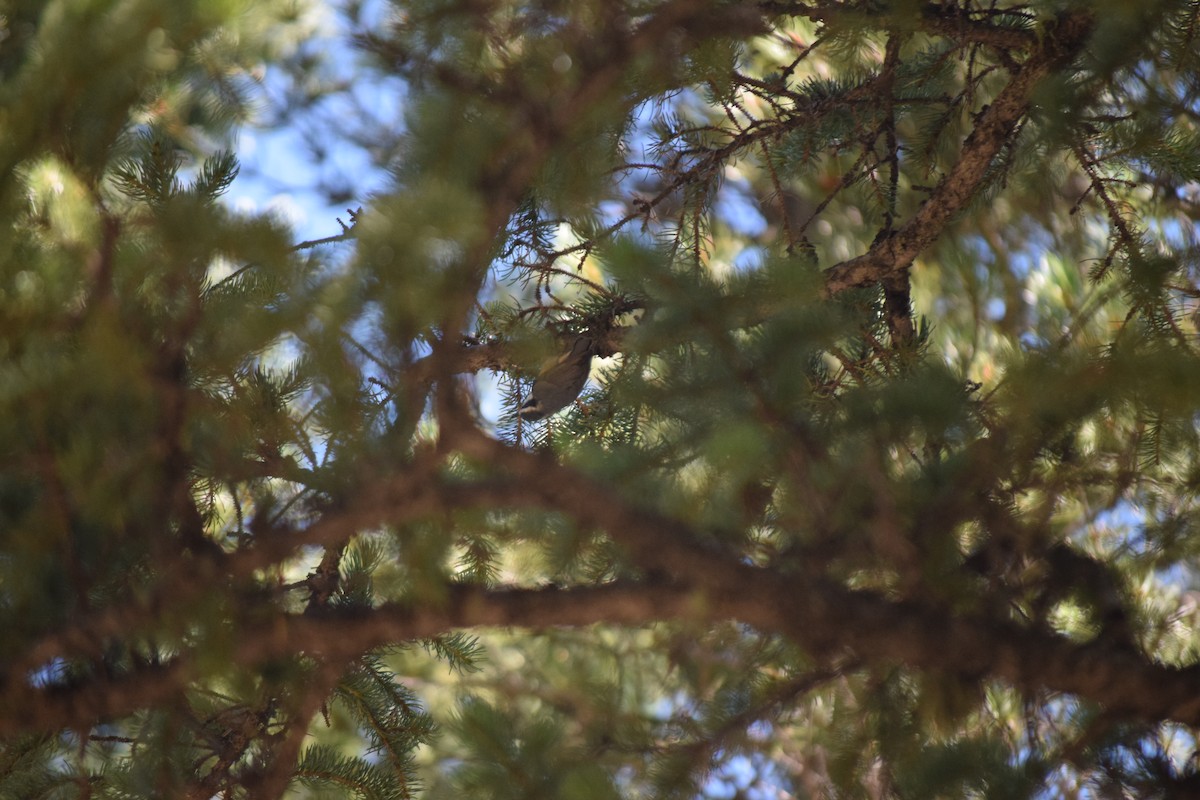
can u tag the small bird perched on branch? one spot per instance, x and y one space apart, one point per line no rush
560 380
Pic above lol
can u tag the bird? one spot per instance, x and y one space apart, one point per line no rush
560 380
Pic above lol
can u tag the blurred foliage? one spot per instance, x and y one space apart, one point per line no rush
213 435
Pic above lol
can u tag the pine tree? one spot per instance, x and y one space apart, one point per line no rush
884 484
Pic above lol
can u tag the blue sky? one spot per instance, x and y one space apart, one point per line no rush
280 171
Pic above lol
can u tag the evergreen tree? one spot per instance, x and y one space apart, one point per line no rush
884 485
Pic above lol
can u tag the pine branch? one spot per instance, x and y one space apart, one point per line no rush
707 586
957 189
827 618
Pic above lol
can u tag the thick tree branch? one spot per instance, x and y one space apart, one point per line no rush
991 134
821 615
89 702
338 636
827 618
341 634
706 583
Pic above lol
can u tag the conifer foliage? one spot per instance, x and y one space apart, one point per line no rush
884 485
